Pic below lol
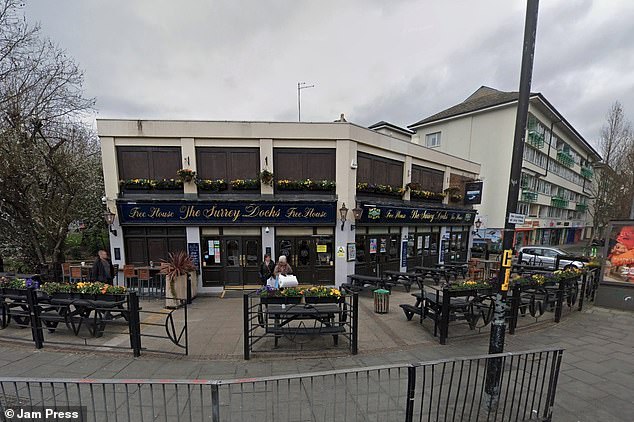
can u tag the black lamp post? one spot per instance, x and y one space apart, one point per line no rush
343 214
109 217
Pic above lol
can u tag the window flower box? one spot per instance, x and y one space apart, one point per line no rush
380 189
306 185
245 184
217 185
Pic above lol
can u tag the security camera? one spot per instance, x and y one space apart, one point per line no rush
266 230
104 200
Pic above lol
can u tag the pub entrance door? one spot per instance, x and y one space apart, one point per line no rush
310 257
422 249
232 260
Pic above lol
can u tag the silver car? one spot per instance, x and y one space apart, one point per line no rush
546 256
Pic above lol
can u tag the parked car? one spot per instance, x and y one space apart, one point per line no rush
546 256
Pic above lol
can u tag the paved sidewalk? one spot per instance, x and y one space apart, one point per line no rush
596 381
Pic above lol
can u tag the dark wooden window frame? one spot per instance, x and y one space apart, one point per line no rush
377 159
230 173
153 173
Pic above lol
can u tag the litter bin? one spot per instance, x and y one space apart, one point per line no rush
381 301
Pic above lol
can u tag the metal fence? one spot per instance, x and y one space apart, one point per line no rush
115 322
283 326
451 389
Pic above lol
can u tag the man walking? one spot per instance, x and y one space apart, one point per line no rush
102 269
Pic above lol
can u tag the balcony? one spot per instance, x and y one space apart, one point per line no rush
535 139
581 207
529 197
565 158
558 202
587 172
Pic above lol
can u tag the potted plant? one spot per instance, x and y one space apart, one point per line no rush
179 265
266 177
321 294
186 175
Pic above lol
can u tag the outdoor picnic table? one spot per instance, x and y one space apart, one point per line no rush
455 269
358 282
406 279
433 272
322 314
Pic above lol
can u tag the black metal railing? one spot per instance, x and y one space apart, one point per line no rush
78 321
269 321
448 389
472 309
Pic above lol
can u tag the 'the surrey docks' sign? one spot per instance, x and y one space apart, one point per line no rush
227 213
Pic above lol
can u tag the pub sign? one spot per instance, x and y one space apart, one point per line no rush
473 193
387 214
227 213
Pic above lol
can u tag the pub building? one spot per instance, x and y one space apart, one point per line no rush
335 198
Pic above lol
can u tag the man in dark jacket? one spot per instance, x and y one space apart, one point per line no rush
102 269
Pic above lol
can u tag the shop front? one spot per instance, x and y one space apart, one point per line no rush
433 235
232 237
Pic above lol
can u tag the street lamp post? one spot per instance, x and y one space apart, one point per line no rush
498 325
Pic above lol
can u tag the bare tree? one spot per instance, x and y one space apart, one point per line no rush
49 157
614 182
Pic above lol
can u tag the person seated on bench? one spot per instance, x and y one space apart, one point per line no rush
282 267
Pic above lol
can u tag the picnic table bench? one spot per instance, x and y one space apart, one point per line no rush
406 279
322 315
455 269
433 273
358 282
443 306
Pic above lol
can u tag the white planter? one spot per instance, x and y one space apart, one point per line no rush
177 289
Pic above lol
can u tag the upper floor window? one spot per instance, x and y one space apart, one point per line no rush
237 167
375 170
432 140
149 168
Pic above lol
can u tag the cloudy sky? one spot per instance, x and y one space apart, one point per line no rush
399 60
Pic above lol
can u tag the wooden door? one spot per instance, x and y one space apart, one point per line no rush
232 261
251 259
325 260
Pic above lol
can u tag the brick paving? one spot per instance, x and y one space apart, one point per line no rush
595 384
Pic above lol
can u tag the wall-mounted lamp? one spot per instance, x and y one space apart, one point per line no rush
343 214
266 230
109 217
266 161
357 212
353 165
477 224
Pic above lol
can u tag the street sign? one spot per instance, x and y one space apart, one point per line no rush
516 218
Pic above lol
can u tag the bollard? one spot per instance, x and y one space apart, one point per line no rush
381 301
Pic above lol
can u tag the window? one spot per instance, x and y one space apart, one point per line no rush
379 171
304 163
148 162
432 140
427 179
522 208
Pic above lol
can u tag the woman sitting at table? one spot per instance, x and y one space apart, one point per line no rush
282 267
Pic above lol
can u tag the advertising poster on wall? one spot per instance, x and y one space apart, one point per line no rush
619 263
383 245
372 245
